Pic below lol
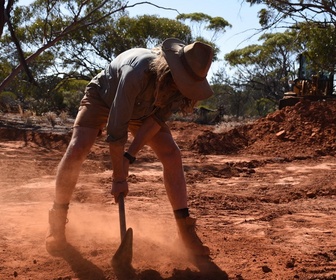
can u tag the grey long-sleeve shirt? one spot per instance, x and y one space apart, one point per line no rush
127 88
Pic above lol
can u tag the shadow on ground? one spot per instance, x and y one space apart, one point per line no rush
86 270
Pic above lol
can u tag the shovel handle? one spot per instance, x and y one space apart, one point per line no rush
122 216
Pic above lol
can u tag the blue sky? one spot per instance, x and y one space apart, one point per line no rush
242 17
239 14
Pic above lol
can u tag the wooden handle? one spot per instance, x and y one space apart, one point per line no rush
122 216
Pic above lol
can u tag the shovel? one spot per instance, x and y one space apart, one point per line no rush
124 254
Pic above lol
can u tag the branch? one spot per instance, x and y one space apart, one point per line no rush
2 18
69 29
19 49
4 12
149 3
74 26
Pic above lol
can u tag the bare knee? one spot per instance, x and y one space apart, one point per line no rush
171 155
80 143
76 151
166 149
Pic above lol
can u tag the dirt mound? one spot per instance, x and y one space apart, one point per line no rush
306 129
50 139
220 143
34 135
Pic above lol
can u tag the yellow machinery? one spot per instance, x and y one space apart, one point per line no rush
309 85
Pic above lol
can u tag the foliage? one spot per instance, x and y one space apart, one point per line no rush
319 42
7 101
44 24
263 106
72 91
222 91
265 69
90 49
146 31
203 21
81 54
282 11
61 45
200 22
314 22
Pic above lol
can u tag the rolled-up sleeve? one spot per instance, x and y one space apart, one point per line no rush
122 106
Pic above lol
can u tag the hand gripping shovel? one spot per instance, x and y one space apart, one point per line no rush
124 254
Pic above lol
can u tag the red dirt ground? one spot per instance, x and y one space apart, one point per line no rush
263 193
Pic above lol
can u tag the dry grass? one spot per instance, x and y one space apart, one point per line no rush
51 118
26 115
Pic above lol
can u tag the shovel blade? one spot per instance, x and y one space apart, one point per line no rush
124 254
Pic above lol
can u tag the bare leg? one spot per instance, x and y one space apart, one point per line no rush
66 178
169 154
69 168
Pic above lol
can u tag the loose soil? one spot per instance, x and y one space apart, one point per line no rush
263 193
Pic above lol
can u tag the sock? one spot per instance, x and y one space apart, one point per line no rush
61 206
181 213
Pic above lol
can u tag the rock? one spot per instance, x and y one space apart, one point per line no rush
311 194
290 263
281 134
266 269
94 253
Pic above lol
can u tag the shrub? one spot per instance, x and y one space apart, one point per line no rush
8 102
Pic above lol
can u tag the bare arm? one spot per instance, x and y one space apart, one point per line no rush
117 158
147 130
120 164
119 183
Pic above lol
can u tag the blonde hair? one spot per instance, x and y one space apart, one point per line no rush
159 67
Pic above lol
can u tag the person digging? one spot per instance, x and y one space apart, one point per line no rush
137 92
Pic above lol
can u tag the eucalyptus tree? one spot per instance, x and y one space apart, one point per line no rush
92 48
280 12
263 70
319 41
314 21
53 40
201 23
41 26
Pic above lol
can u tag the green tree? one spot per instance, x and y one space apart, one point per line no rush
318 41
89 50
57 40
314 22
200 22
90 29
44 24
220 84
278 12
65 39
72 91
266 69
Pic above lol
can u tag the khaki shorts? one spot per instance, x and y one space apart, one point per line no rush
93 113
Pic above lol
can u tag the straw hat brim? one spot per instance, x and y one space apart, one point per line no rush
187 85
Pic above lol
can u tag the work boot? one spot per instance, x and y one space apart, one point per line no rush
187 232
55 239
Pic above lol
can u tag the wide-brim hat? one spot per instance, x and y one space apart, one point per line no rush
189 66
